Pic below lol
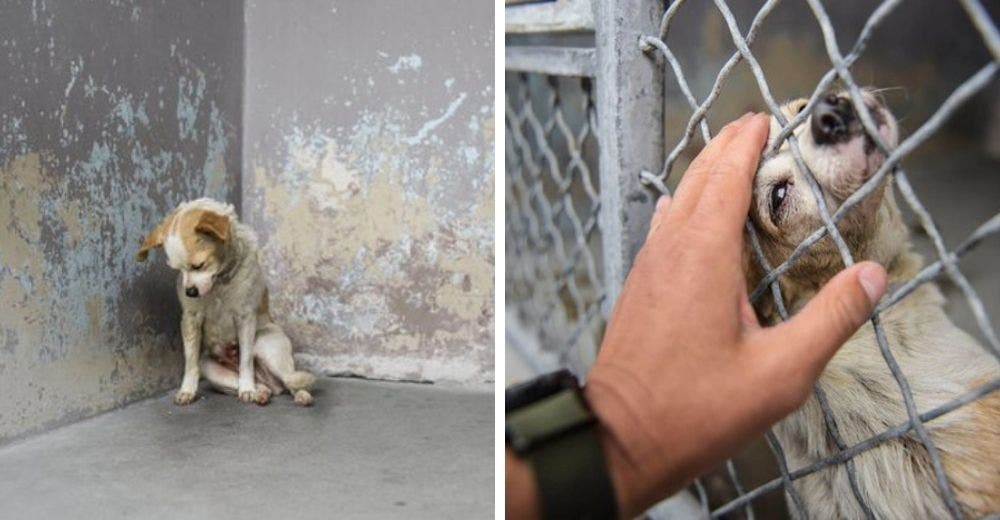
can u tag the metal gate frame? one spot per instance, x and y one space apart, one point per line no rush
629 103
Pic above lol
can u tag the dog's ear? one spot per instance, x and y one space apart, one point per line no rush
155 237
213 225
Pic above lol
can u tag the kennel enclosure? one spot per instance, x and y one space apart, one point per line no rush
602 110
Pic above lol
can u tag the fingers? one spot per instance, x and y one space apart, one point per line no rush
694 178
709 154
729 184
808 341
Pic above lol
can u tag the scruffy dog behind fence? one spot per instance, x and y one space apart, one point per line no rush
225 306
940 361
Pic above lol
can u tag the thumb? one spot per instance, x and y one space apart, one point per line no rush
811 338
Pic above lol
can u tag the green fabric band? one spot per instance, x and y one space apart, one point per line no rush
573 479
556 435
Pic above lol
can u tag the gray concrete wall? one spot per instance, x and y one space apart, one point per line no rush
369 177
111 112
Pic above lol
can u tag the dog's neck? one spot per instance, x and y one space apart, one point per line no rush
890 243
233 256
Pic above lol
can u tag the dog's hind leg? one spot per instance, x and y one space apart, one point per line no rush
227 380
273 350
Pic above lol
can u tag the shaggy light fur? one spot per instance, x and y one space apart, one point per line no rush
896 479
225 306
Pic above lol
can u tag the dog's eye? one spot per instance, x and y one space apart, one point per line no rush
198 267
778 193
801 108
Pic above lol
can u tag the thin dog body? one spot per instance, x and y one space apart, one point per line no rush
224 304
940 361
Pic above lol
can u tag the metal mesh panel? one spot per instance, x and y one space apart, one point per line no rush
554 286
947 260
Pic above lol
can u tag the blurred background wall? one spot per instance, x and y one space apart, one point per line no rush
110 114
369 176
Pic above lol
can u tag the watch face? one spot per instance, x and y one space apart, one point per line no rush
539 388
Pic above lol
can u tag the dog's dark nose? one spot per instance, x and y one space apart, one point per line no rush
831 120
192 292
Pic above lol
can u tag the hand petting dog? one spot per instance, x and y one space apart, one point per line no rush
686 375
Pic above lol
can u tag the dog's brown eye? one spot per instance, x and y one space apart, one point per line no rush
801 108
778 193
198 267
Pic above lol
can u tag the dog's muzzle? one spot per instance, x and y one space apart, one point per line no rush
831 120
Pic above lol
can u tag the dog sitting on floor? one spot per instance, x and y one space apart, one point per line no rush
225 306
896 479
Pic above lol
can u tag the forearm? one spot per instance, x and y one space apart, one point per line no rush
522 491
191 335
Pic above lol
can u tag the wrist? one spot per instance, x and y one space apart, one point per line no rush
550 426
616 433
522 500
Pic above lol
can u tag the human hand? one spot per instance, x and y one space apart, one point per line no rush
686 375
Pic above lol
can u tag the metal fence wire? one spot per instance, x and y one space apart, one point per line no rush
554 289
556 284
947 262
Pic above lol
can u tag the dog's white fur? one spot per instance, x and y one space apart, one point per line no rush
218 256
939 360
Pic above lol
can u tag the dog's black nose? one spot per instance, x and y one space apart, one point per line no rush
831 120
192 292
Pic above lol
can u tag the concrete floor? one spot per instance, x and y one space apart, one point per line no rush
364 450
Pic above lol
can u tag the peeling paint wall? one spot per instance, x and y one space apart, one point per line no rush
111 113
369 177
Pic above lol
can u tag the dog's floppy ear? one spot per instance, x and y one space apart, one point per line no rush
155 237
213 225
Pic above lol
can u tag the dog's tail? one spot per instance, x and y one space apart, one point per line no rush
299 380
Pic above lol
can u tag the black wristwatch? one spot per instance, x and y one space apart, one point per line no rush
550 425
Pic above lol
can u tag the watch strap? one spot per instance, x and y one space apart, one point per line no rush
572 477
557 437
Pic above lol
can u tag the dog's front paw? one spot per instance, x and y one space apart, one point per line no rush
303 398
263 396
184 397
248 396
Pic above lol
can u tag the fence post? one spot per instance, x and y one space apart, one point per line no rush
629 101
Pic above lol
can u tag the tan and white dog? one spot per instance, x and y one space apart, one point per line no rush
940 361
225 306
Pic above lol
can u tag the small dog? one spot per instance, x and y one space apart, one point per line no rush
225 306
940 361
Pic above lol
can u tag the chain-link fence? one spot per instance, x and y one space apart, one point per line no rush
572 222
554 286
555 260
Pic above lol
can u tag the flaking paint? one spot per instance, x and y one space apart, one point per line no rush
372 184
92 154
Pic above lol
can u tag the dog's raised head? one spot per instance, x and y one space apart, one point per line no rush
842 157
195 236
